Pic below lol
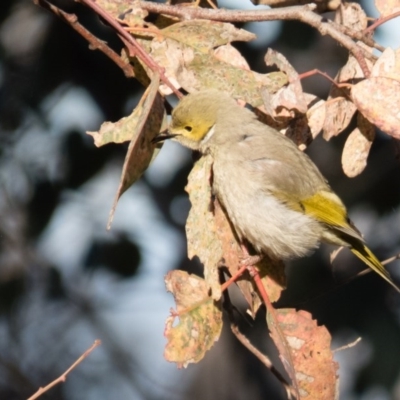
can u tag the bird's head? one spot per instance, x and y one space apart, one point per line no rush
194 118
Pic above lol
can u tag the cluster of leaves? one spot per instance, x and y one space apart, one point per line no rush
195 55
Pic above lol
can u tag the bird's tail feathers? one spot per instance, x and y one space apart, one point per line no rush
369 258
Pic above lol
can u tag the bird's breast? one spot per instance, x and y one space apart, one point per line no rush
259 217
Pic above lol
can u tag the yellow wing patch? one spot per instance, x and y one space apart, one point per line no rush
327 208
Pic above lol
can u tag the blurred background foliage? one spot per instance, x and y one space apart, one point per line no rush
65 281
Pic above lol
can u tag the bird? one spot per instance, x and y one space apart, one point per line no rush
274 195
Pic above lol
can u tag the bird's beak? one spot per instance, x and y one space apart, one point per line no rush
163 136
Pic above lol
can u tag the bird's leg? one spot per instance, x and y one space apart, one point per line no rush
247 259
247 263
234 278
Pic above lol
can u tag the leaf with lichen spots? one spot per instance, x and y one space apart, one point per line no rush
357 147
202 238
204 35
144 126
208 72
200 319
186 51
304 349
387 7
378 99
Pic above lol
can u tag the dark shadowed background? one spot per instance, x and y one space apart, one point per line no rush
65 281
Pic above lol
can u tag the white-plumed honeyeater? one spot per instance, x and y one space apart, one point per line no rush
274 195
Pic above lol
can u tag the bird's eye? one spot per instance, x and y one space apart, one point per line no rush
188 128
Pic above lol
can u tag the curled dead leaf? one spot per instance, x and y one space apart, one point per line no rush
290 97
141 150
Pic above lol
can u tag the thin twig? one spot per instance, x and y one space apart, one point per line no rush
348 346
63 377
391 259
381 21
301 13
368 270
95 43
345 282
135 48
228 306
322 5
262 357
358 35
234 278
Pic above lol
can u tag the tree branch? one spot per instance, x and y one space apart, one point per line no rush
95 43
300 13
63 377
381 21
262 357
134 46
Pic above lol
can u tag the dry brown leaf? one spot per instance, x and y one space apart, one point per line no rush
120 131
304 348
388 65
299 132
202 237
351 15
290 97
316 114
338 113
339 107
200 319
378 99
387 7
357 147
141 150
272 273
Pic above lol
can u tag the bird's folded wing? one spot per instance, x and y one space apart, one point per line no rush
327 208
